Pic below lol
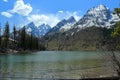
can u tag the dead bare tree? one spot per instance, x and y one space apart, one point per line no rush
115 57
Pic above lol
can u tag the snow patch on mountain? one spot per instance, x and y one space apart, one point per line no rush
43 29
62 26
37 31
70 22
99 16
32 29
66 27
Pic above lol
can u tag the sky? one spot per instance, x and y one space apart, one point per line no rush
22 12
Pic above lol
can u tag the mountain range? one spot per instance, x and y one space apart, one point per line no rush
37 31
62 26
99 16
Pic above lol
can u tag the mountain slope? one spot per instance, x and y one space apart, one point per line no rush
99 16
62 26
89 33
37 31
68 26
32 29
43 29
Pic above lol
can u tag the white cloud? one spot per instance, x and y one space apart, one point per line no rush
40 19
21 8
5 0
76 15
52 19
67 14
7 14
25 9
60 11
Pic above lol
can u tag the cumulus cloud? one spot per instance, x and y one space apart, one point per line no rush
52 19
40 19
76 15
21 8
60 11
7 14
5 0
67 14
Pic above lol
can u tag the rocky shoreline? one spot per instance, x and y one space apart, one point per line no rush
9 51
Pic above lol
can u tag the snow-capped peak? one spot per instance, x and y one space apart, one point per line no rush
32 29
31 24
99 16
37 31
71 20
99 8
29 27
43 29
102 7
63 25
100 11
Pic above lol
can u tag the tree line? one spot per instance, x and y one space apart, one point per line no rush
18 40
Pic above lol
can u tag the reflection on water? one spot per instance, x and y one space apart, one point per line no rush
49 65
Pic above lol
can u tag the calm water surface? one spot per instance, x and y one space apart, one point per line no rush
49 64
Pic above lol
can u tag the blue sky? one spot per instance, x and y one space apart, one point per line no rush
21 12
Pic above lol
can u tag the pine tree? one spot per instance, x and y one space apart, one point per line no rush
31 42
116 32
117 11
19 38
0 36
36 43
23 38
14 33
6 35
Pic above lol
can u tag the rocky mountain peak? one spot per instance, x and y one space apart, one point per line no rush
31 24
96 16
71 20
100 11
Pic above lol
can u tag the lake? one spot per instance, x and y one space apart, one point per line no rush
48 65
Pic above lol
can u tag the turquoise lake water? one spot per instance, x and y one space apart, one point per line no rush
50 65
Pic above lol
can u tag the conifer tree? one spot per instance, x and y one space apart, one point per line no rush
0 36
117 11
6 35
23 38
14 33
31 41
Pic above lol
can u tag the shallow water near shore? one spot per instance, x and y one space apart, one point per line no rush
53 65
